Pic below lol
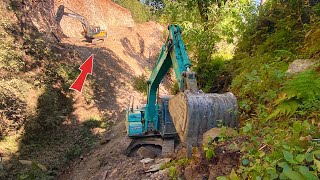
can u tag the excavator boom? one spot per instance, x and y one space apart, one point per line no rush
191 111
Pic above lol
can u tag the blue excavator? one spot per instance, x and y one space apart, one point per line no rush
190 113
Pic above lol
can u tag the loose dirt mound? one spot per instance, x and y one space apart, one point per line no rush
103 13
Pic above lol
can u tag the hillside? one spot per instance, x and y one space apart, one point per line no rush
266 54
44 122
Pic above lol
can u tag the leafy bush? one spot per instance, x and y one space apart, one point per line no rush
301 93
13 112
37 171
36 46
10 56
139 11
209 72
286 148
280 151
140 84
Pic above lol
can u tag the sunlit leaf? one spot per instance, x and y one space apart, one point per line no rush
307 174
293 175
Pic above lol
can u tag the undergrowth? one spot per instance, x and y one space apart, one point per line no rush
281 109
139 11
140 83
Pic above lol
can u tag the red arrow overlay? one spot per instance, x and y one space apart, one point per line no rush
86 68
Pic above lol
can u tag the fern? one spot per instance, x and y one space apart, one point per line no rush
300 93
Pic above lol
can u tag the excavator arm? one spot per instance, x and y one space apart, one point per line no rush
192 112
173 54
61 13
90 32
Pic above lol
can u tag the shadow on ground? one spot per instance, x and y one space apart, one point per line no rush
54 135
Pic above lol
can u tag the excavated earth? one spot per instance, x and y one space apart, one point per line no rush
130 50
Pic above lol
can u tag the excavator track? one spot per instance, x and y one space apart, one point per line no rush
195 113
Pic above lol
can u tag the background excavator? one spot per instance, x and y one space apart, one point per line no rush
190 113
92 34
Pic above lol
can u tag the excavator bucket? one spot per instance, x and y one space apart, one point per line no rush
195 113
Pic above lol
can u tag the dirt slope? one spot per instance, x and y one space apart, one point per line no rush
104 13
130 50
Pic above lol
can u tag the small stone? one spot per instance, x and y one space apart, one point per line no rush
104 141
146 160
114 172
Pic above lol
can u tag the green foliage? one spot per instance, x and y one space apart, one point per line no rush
207 31
301 93
36 46
74 152
257 88
37 171
208 72
139 11
173 165
209 151
10 57
280 151
140 84
13 105
173 173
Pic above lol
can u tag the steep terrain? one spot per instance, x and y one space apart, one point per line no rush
130 50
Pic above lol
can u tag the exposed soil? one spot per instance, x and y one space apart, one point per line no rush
130 50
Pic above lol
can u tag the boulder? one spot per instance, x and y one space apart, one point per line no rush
144 152
299 65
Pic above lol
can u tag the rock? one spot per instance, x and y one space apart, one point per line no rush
105 141
146 153
114 172
154 168
299 65
146 160
160 163
162 174
214 133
